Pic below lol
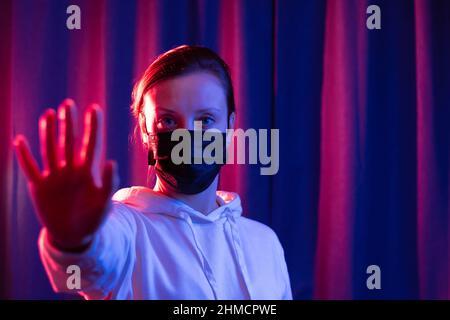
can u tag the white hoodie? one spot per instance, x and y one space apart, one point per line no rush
155 247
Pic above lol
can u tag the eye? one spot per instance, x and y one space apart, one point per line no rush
166 123
207 121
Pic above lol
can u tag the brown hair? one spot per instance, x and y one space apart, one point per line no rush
178 61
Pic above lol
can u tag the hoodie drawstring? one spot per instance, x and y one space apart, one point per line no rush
236 240
205 265
237 249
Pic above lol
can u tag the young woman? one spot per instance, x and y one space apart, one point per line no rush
182 239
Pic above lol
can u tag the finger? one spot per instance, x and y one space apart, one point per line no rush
92 140
26 159
67 120
110 178
47 132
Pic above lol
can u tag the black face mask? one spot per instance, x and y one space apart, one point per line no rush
184 178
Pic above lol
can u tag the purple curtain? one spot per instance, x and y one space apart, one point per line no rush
364 119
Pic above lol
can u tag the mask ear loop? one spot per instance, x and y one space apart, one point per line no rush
151 159
150 140
152 154
151 143
151 176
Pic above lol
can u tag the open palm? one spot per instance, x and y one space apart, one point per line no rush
72 194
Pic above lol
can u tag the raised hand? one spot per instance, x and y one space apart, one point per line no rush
72 194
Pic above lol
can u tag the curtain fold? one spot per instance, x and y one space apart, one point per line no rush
363 115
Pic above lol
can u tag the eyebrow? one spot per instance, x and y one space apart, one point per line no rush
162 109
208 109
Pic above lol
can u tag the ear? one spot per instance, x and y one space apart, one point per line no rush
230 130
231 120
143 128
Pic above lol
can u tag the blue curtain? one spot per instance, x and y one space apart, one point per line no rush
363 116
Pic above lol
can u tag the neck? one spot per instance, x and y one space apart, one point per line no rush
203 202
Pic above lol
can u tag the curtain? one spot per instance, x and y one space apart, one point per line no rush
363 116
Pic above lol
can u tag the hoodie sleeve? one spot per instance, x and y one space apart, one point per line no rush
96 272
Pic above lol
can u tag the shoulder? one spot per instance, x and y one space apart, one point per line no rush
120 202
121 194
256 226
259 232
121 213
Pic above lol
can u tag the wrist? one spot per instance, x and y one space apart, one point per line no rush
70 246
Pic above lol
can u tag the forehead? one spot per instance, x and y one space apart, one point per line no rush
187 92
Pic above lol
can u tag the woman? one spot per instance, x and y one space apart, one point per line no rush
182 239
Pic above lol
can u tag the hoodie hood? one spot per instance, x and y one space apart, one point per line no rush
148 201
